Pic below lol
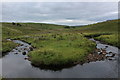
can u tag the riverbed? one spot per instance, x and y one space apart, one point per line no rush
16 65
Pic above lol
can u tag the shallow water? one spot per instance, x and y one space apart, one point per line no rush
15 66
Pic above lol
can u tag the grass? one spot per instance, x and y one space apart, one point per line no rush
7 46
60 49
110 39
106 32
102 27
14 31
56 44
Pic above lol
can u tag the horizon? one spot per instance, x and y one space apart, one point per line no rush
61 24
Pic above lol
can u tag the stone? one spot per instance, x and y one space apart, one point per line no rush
24 53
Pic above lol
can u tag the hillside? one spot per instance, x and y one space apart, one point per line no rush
107 32
107 26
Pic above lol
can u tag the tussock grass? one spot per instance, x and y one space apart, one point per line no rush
7 46
60 49
110 39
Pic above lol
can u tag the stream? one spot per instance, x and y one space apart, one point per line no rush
15 65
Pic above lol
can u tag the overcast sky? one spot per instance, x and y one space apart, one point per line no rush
64 13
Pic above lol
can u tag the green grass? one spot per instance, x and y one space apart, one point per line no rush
27 29
60 49
106 32
7 46
56 44
102 27
110 39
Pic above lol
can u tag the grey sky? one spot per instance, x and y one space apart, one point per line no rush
65 13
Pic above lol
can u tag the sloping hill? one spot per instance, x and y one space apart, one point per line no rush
107 32
107 26
12 30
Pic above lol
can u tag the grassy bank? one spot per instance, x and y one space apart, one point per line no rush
59 49
56 44
7 46
110 39
106 32
26 29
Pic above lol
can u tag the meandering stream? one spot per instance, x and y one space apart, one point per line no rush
14 65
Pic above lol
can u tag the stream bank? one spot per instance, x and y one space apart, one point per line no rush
16 63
